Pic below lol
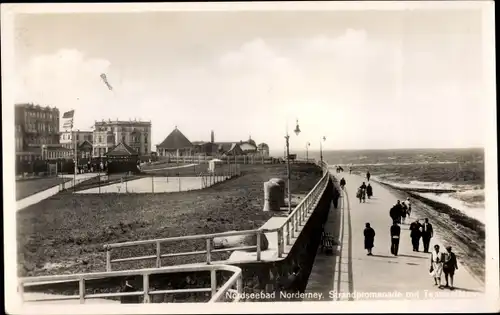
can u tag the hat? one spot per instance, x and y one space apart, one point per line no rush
448 247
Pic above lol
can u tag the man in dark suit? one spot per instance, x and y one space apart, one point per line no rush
395 234
415 235
427 234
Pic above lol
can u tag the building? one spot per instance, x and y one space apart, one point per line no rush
68 138
122 158
37 133
263 149
176 144
133 133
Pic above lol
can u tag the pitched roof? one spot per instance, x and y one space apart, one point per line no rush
175 140
85 143
121 149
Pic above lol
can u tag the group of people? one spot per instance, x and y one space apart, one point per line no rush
364 191
400 211
441 262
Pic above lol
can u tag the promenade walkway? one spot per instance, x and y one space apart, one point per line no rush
350 270
36 198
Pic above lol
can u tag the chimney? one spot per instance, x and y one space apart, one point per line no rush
212 137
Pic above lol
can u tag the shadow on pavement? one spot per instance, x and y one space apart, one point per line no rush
413 256
383 256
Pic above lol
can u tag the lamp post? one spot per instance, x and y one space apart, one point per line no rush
307 151
287 138
321 149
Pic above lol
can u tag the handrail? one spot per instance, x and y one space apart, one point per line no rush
286 232
217 295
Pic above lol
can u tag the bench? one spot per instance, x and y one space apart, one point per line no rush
327 243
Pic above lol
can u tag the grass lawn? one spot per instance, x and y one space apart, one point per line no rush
65 233
26 188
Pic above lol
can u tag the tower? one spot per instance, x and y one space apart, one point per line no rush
212 137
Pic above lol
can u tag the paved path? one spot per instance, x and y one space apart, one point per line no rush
36 198
351 270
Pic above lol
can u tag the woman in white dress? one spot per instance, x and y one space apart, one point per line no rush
436 268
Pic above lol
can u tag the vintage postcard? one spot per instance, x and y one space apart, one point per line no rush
276 157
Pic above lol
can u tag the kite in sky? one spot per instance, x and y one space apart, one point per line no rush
105 80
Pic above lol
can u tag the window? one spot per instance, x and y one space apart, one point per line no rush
100 138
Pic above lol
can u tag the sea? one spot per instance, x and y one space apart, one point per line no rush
429 170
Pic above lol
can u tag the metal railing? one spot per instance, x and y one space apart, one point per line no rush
233 285
285 233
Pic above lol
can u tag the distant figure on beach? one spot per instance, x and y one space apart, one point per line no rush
350 170
427 234
369 191
342 183
369 233
368 175
395 233
404 209
449 266
436 265
415 235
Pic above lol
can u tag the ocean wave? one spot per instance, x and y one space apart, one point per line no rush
477 212
468 199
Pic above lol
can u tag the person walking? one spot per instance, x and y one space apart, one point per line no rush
395 234
415 235
449 266
363 186
436 268
427 234
369 234
395 212
404 209
408 202
369 191
368 175
350 170
342 183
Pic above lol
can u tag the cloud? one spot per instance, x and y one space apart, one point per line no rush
61 77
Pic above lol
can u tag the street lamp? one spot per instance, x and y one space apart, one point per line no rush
307 151
287 138
321 149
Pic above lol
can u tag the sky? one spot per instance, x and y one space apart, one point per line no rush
362 79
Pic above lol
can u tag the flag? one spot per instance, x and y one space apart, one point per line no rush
68 119
105 80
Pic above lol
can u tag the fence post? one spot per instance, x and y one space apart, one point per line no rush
178 174
209 250
145 287
213 281
280 241
81 290
299 215
239 284
158 255
20 290
152 184
288 232
108 259
259 236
